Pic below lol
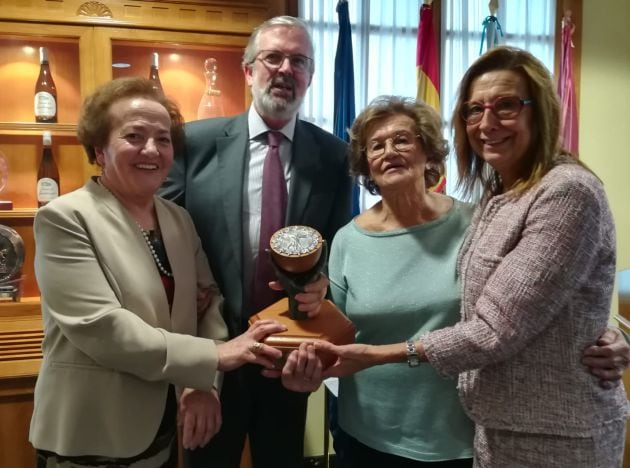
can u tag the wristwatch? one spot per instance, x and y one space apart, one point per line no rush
413 358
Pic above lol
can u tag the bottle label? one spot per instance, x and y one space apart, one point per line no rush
45 104
47 190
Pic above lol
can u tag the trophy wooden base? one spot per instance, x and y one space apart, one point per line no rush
9 292
330 325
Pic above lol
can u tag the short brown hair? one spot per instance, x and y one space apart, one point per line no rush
95 121
428 126
544 146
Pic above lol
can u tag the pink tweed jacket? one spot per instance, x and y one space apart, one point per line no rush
537 276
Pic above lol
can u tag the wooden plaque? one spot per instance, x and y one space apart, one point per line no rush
330 325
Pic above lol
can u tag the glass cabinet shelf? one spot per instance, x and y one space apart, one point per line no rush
18 213
32 128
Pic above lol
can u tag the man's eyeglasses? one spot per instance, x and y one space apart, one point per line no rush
274 59
504 108
402 142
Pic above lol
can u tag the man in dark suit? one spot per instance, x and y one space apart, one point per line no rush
218 179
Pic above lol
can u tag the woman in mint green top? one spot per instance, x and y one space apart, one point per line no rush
392 271
409 412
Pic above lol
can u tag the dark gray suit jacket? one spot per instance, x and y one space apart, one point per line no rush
207 179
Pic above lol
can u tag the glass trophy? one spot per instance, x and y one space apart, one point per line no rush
4 177
298 256
211 104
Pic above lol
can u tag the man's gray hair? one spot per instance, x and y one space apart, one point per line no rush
251 51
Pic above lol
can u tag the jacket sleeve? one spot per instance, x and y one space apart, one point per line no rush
211 323
567 232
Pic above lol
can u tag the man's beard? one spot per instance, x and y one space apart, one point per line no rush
277 107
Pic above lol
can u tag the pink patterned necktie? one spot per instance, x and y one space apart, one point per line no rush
273 209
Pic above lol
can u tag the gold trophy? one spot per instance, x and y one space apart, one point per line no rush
298 255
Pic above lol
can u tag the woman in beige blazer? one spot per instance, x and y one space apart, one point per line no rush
132 314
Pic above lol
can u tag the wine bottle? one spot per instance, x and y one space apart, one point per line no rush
154 75
47 175
45 91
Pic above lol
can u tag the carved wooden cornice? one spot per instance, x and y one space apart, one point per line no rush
94 9
221 16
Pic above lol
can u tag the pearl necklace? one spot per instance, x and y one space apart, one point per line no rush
145 235
156 259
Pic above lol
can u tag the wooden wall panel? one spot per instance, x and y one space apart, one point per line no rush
15 416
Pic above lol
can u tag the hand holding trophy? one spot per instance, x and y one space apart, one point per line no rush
298 255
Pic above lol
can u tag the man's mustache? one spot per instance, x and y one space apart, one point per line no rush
283 80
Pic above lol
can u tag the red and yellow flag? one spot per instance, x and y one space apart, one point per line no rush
427 67
428 70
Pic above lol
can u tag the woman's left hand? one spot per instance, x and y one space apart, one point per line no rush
310 301
204 298
350 358
199 416
303 370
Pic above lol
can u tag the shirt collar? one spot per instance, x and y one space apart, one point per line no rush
258 127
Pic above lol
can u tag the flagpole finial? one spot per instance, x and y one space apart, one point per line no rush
567 15
566 19
493 5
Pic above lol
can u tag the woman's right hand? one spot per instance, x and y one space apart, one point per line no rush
247 348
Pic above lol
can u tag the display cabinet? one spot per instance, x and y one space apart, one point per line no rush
89 43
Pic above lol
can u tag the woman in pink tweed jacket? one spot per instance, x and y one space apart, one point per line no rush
537 271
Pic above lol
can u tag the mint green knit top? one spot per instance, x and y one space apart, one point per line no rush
394 286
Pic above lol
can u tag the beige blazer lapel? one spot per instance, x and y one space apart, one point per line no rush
127 250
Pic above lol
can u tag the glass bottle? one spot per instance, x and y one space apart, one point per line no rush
211 103
47 174
154 75
45 91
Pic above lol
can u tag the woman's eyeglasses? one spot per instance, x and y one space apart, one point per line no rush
402 142
503 108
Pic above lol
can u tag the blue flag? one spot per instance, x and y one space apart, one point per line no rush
344 85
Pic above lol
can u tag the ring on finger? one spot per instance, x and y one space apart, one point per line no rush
255 347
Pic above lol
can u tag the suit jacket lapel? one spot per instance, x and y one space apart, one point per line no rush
232 151
116 217
306 168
